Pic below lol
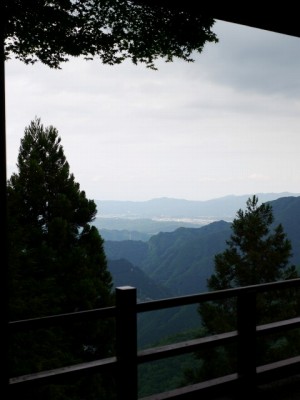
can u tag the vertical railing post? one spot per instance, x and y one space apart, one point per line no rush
126 343
246 325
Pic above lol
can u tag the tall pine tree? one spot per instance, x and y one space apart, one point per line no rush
57 262
257 252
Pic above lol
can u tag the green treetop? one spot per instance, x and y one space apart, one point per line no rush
255 254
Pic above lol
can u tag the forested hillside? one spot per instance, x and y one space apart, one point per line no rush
147 289
287 212
183 260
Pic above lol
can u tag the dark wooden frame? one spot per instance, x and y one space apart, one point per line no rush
125 364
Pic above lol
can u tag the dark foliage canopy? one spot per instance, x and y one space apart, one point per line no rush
112 30
57 263
52 243
254 254
257 252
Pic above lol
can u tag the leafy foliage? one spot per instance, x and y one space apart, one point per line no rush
56 259
113 30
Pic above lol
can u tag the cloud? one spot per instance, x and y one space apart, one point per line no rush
254 60
192 130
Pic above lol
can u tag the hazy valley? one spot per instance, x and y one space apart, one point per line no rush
179 257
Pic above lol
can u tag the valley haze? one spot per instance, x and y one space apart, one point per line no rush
139 220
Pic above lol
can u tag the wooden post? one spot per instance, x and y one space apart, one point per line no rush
246 324
126 343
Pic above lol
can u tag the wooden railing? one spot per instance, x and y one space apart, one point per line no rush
125 363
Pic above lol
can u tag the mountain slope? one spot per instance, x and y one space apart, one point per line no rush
135 251
183 260
126 274
286 211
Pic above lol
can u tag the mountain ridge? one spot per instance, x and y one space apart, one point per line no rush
221 207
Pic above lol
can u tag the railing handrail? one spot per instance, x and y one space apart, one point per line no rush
61 319
127 357
214 295
152 305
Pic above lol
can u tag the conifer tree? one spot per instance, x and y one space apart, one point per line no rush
257 252
57 262
254 254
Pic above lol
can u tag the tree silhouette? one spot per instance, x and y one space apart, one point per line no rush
56 257
113 30
254 254
257 252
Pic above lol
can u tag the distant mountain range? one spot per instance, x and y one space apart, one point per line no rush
223 207
139 228
129 220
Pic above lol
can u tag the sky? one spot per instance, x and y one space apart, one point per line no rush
228 123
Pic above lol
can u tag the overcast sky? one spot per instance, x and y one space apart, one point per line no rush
229 123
